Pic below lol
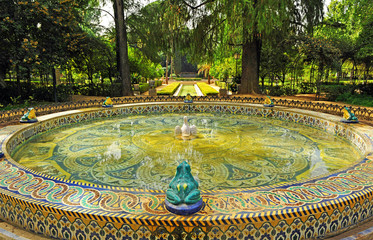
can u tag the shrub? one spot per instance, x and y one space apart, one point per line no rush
144 87
365 89
280 91
170 89
306 87
333 91
356 99
158 83
220 84
206 89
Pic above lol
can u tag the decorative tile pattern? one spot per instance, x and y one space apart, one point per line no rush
300 210
361 113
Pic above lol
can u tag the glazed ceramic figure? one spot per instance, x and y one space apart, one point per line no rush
188 98
29 117
183 188
348 116
268 102
108 102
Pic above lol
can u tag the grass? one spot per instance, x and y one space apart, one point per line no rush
187 79
188 89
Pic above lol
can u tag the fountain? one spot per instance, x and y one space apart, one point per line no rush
105 172
186 131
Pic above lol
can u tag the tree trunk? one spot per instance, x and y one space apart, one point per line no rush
172 67
167 69
263 77
54 84
366 74
28 75
250 66
2 77
283 78
121 35
318 80
19 89
41 78
250 55
340 71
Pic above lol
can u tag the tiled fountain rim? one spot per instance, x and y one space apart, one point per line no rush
211 213
54 116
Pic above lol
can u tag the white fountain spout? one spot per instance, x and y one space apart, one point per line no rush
186 130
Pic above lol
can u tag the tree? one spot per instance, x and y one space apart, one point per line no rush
122 48
39 34
347 25
247 23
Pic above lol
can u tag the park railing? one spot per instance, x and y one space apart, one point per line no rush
335 109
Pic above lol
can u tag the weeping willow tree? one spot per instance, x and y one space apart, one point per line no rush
160 28
220 25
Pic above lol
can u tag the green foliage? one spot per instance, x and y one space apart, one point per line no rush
280 91
356 99
206 89
143 66
158 83
223 69
144 87
306 87
187 79
220 84
333 91
170 89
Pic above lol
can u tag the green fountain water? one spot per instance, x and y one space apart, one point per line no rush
229 151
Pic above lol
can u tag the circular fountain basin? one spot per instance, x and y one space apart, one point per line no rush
229 151
312 179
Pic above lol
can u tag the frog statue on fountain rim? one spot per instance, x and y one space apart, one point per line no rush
108 102
348 116
29 117
183 196
268 102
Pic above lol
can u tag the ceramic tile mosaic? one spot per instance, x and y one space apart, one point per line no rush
298 210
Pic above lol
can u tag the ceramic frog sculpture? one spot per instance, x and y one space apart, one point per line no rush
29 117
348 115
108 102
188 98
268 102
183 188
